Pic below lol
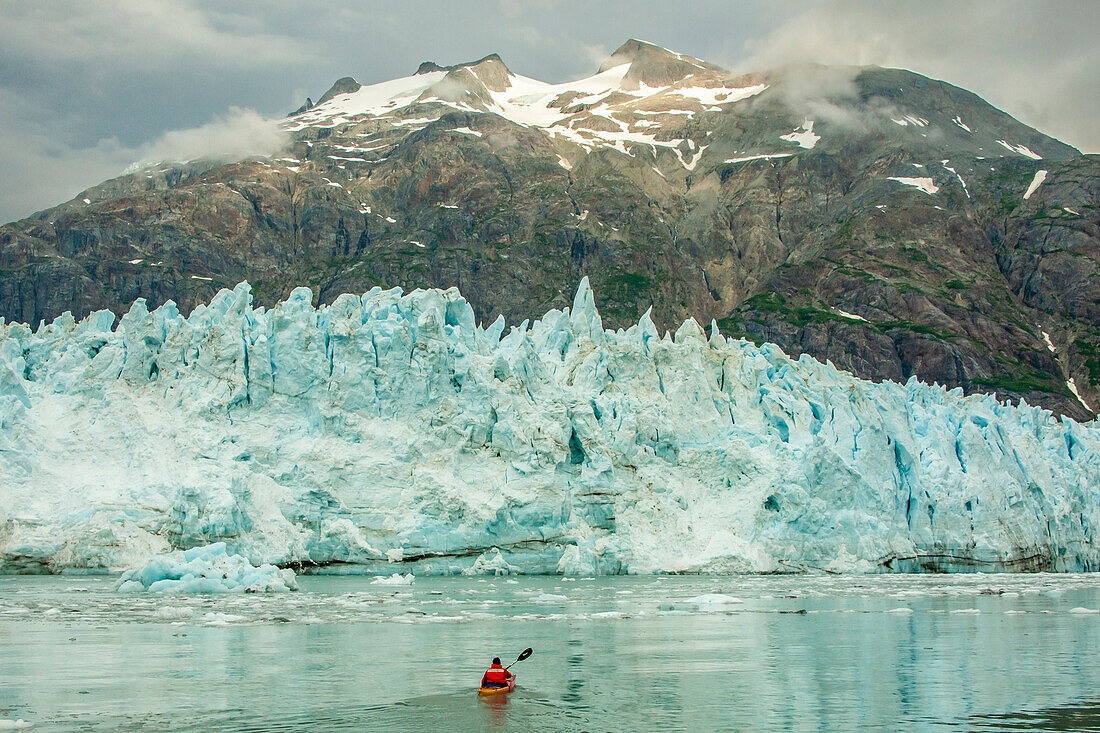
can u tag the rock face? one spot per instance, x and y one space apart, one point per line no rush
892 224
390 429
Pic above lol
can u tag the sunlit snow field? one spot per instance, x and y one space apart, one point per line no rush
974 652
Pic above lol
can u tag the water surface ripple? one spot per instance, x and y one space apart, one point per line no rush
683 653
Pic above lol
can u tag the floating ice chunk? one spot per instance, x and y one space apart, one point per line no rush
395 579
222 620
19 724
206 569
967 610
713 600
551 598
174 613
1082 610
901 610
923 183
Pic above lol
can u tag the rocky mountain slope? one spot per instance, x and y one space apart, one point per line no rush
890 223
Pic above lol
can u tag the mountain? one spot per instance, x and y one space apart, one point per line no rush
390 431
890 223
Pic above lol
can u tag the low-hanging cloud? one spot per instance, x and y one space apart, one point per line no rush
51 169
239 134
1037 61
88 88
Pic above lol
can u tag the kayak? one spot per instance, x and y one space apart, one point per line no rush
484 691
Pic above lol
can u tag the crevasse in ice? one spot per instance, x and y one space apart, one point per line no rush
390 432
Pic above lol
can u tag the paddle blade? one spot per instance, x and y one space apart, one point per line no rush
524 654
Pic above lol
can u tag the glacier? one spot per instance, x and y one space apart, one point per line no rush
390 432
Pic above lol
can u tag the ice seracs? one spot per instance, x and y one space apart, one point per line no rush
389 432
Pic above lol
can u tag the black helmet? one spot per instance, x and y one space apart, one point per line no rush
496 660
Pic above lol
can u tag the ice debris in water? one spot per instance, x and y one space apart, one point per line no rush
207 569
395 579
491 563
387 421
711 600
15 724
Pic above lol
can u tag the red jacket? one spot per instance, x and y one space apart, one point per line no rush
496 676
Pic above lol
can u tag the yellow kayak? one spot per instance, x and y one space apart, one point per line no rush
484 691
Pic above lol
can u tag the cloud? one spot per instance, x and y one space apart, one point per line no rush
1037 61
49 168
88 88
236 135
157 34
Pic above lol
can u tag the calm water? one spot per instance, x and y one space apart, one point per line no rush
981 652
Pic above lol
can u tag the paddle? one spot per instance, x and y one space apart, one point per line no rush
522 655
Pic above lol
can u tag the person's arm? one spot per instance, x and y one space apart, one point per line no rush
484 679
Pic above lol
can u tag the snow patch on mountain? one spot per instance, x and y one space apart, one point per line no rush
922 183
804 135
1037 181
1073 388
761 156
1021 149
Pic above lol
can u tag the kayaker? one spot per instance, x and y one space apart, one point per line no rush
496 675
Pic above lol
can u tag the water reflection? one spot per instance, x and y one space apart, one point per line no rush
1079 716
894 654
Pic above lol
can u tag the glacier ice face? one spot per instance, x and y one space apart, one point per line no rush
205 569
390 430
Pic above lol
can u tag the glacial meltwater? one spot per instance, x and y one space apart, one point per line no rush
635 653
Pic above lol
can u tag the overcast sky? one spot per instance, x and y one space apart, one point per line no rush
88 88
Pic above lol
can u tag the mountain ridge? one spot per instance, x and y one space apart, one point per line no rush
886 221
